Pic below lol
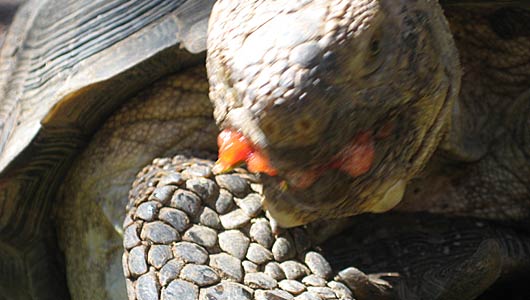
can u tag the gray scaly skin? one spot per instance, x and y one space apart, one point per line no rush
407 256
171 116
310 76
460 108
174 116
482 168
166 237
192 235
302 80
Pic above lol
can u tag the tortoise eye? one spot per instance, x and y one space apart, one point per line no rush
375 47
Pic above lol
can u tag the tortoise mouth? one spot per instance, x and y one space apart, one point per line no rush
354 159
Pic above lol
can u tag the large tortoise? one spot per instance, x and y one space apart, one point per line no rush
114 89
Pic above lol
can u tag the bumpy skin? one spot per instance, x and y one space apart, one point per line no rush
88 218
179 214
360 66
480 166
171 116
436 257
407 256
483 167
303 80
192 235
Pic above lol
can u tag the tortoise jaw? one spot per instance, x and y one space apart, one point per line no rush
354 159
282 218
391 197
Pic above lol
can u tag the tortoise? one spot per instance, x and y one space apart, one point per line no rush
116 86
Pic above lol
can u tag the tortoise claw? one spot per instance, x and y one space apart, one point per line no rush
366 287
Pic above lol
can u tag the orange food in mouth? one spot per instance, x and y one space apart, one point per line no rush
234 149
357 158
354 159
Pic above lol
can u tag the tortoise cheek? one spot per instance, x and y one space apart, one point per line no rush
303 179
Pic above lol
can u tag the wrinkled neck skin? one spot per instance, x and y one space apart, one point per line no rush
479 168
303 81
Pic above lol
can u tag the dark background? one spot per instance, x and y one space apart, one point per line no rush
7 9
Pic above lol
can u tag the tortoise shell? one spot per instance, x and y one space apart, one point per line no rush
65 66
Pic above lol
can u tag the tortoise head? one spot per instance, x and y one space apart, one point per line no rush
340 102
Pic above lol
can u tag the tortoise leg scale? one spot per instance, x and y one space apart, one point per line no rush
192 235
